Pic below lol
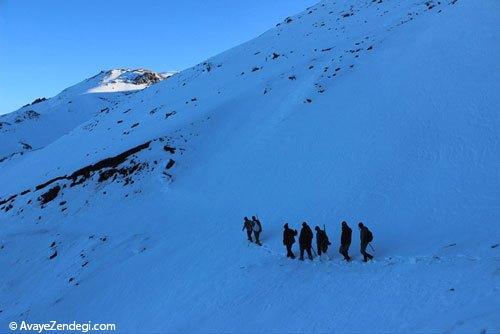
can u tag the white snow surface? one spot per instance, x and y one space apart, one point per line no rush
36 125
388 115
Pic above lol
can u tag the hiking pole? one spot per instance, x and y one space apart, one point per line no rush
371 247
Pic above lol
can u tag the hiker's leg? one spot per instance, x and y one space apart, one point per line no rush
309 253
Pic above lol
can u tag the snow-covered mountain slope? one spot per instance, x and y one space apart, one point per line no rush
378 111
37 124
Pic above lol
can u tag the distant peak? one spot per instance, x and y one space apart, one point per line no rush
117 80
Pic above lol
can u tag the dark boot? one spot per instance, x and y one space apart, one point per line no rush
344 251
366 255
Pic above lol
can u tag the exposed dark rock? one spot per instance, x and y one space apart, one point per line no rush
26 146
2 124
170 164
429 5
85 172
113 172
147 78
167 115
8 199
169 149
208 66
38 100
29 114
53 255
107 174
45 184
49 195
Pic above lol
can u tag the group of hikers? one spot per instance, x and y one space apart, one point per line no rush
306 236
252 226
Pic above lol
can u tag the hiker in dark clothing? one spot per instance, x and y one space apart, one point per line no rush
322 241
247 224
345 241
305 241
366 236
289 240
257 228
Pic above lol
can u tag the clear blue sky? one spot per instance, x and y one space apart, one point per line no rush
46 46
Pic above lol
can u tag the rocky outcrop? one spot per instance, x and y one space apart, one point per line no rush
147 78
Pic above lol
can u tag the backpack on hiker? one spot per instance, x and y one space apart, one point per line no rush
369 235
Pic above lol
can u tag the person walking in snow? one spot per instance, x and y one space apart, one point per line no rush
322 241
366 236
305 241
345 241
247 224
289 240
257 228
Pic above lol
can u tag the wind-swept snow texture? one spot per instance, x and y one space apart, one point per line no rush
385 112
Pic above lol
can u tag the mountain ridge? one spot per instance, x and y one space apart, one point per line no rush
25 129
